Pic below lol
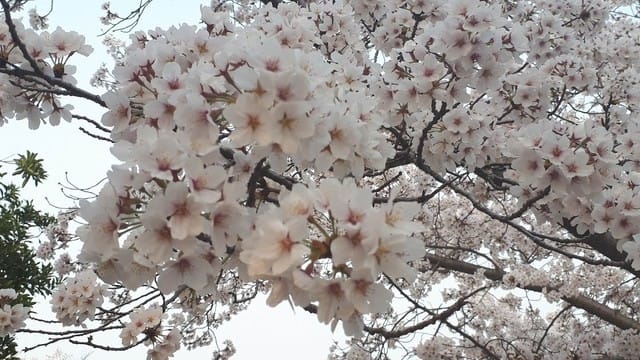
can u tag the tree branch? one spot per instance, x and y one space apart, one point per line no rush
589 305
392 334
36 70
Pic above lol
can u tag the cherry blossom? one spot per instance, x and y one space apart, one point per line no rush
451 179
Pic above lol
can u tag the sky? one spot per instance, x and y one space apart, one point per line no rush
71 156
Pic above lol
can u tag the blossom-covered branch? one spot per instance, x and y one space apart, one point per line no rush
411 170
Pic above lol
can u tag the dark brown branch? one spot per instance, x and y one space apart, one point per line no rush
252 184
546 331
265 171
606 245
589 305
528 204
102 138
475 342
66 337
423 198
400 159
68 332
35 69
90 343
134 16
92 122
387 183
17 41
538 239
393 334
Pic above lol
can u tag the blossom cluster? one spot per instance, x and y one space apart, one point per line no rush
513 83
12 317
177 207
58 238
148 322
436 348
141 320
46 54
166 346
77 299
361 241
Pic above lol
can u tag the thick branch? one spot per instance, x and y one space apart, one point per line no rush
605 244
580 301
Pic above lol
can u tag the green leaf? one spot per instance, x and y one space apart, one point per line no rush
29 167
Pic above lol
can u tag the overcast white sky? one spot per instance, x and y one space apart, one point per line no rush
260 332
